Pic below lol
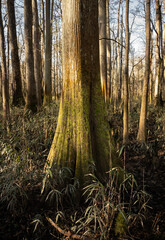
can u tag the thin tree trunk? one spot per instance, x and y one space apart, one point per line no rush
8 54
57 79
126 75
151 68
142 133
58 66
102 46
121 58
31 99
118 93
158 54
43 22
37 53
48 82
163 87
16 73
5 81
108 45
0 82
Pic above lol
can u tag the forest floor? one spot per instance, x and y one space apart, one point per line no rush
23 152
147 163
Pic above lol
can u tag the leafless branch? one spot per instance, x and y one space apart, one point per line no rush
68 234
111 39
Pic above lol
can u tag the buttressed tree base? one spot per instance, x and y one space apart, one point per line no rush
82 133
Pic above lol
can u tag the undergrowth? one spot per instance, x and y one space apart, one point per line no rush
28 197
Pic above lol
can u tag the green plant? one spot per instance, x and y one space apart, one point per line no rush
112 208
60 187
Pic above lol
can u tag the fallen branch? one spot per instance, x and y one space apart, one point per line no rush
68 234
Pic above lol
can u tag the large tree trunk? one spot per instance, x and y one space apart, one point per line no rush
142 133
5 81
126 75
37 53
102 46
48 82
82 135
31 99
17 82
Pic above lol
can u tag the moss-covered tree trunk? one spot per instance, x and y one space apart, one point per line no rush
82 135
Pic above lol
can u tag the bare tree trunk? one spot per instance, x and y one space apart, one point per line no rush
8 55
102 46
51 39
121 58
126 75
58 68
48 82
151 68
54 75
161 57
43 22
158 54
31 99
118 93
108 45
142 133
0 82
163 87
37 53
17 81
56 49
43 44
5 81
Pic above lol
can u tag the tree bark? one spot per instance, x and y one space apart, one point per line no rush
0 82
5 81
108 45
48 83
37 53
102 46
163 87
18 98
82 135
121 59
118 92
126 75
151 82
142 133
158 54
31 99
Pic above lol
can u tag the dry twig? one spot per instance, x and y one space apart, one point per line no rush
68 234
